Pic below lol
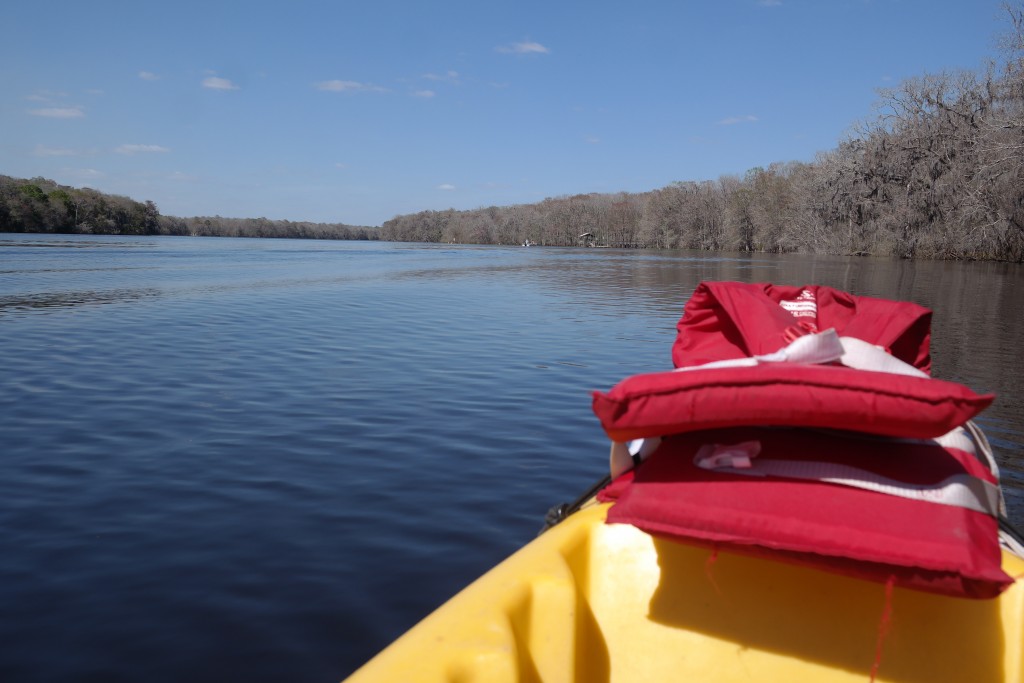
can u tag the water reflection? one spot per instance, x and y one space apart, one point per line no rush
49 301
58 242
977 329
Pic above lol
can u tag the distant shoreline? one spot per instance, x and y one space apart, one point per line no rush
42 206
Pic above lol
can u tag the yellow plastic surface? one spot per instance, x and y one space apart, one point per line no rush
594 602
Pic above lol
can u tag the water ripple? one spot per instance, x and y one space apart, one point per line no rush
231 459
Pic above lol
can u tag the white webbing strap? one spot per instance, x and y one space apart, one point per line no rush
861 355
960 490
989 457
971 440
824 347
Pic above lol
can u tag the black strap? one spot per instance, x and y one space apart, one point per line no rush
563 510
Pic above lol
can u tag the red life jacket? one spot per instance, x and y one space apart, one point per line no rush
850 522
724 320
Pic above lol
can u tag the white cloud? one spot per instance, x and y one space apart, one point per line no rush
137 149
427 94
44 151
45 96
524 48
769 3
218 83
447 187
733 120
448 77
348 86
83 173
591 140
148 76
59 112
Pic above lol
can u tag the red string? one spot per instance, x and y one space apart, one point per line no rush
708 564
883 627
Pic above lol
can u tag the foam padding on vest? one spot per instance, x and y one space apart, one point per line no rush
785 394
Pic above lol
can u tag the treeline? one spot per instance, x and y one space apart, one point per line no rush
41 205
216 226
939 173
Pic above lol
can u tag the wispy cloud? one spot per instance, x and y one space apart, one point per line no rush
447 187
769 3
733 120
218 83
426 94
46 96
83 173
140 149
591 140
524 48
447 77
148 76
44 151
59 112
348 86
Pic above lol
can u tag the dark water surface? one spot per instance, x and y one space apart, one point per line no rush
263 460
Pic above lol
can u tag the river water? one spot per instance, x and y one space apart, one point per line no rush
262 460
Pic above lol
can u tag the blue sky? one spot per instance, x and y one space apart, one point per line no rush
355 112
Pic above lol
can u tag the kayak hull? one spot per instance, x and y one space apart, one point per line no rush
589 601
